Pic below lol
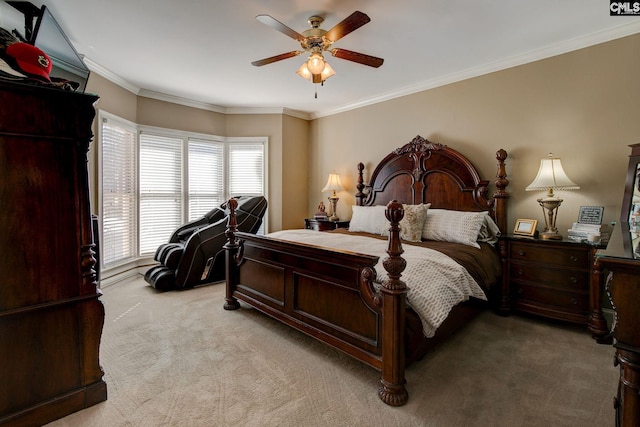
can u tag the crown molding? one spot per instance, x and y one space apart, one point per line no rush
116 79
94 67
274 110
181 101
630 28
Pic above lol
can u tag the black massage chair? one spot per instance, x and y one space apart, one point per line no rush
194 255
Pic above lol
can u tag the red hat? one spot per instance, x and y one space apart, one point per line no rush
30 59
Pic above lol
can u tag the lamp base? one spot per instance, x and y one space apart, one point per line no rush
334 202
549 235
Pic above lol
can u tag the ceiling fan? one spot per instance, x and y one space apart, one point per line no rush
316 40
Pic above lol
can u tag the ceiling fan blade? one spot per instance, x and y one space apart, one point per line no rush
352 22
279 26
280 57
360 58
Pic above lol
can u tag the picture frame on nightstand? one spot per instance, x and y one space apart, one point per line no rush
590 215
525 227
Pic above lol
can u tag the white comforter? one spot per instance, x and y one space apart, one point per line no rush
435 282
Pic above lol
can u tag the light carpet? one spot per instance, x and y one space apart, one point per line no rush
179 359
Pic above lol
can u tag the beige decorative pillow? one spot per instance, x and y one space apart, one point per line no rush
412 224
453 226
368 219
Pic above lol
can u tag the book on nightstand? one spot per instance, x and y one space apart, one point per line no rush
581 232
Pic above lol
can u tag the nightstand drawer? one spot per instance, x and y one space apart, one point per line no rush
576 279
541 255
577 302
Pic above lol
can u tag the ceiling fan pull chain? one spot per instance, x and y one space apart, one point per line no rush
316 89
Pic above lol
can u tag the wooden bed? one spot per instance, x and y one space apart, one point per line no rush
330 294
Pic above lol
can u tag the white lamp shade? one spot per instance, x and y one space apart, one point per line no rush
304 72
327 71
333 183
551 175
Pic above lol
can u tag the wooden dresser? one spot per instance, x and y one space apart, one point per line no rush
552 278
51 317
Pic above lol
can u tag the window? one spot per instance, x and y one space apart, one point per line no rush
206 176
153 180
160 189
118 177
246 169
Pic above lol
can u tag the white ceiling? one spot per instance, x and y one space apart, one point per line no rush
201 50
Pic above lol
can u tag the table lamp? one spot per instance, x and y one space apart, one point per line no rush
333 184
551 176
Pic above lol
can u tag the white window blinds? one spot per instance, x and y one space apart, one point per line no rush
160 190
206 176
118 166
246 169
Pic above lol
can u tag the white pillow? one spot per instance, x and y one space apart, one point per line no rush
453 226
412 223
368 219
489 231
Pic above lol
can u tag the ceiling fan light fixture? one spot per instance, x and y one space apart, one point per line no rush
320 77
316 63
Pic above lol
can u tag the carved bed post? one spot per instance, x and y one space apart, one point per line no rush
500 205
392 389
360 196
501 195
231 251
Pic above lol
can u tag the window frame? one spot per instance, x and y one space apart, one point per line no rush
186 136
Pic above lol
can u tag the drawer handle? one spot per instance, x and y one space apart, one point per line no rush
520 272
574 258
574 301
573 279
521 252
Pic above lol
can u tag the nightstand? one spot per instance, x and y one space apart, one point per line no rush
553 278
324 224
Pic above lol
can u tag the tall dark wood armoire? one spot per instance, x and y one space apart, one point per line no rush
620 262
51 317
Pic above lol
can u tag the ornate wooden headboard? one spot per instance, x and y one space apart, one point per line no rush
426 172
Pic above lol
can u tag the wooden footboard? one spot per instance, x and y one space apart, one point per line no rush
299 285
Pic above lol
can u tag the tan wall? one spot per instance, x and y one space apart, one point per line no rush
295 174
152 112
113 98
582 106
